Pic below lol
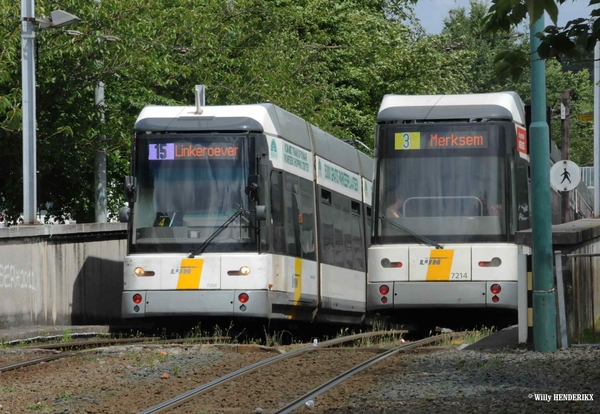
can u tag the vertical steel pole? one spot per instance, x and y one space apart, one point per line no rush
562 313
544 301
597 128
100 155
100 159
28 94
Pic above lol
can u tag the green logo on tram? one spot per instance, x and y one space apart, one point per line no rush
274 155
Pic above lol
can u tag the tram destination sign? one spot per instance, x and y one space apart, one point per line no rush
188 151
440 139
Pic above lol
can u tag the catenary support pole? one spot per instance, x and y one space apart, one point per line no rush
597 128
565 129
100 155
544 302
28 93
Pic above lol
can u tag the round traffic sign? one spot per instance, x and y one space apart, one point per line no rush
565 175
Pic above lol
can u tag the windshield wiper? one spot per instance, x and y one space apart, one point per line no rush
216 233
412 233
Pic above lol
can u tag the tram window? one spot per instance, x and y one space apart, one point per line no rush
325 196
358 251
291 183
276 198
369 212
326 235
355 207
339 243
306 188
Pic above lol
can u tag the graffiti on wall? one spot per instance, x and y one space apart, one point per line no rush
13 277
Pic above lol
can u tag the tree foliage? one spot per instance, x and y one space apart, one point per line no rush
327 61
573 41
466 29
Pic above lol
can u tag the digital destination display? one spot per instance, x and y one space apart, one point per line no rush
187 151
440 140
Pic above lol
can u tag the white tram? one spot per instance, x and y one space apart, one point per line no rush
244 211
451 189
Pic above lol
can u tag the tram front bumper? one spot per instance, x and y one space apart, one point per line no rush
195 303
442 295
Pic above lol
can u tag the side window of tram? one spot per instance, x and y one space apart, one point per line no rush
292 214
307 220
277 229
326 226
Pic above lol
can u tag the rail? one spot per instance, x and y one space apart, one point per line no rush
355 370
177 401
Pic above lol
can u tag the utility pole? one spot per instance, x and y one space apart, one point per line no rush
28 92
544 302
597 127
565 129
100 159
100 154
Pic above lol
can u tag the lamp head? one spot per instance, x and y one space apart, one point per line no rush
58 18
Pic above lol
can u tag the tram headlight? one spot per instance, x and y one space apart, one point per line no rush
140 272
242 271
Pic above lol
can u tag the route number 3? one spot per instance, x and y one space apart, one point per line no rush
406 140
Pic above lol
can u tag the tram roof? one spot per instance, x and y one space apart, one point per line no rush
264 117
497 105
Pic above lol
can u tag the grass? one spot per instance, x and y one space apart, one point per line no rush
478 364
66 336
38 407
470 337
588 336
65 395
4 388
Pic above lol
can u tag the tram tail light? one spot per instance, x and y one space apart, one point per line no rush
495 288
495 299
243 297
384 299
137 298
384 289
387 264
495 262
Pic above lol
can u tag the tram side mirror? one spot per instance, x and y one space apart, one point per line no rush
261 213
124 214
252 188
130 189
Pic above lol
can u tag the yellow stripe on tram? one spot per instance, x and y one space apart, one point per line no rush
297 284
190 274
440 264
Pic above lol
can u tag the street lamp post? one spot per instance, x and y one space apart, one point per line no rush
28 91
58 19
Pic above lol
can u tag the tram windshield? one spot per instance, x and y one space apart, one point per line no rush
188 186
445 182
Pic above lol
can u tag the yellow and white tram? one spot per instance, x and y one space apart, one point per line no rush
244 211
451 189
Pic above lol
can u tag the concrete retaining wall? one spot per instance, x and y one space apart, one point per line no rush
61 274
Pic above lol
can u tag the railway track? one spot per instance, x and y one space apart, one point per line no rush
78 345
189 396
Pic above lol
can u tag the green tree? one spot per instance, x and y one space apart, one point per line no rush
465 29
327 61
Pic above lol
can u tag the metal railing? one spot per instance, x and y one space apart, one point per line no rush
576 308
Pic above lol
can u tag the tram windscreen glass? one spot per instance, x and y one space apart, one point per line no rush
443 181
187 187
